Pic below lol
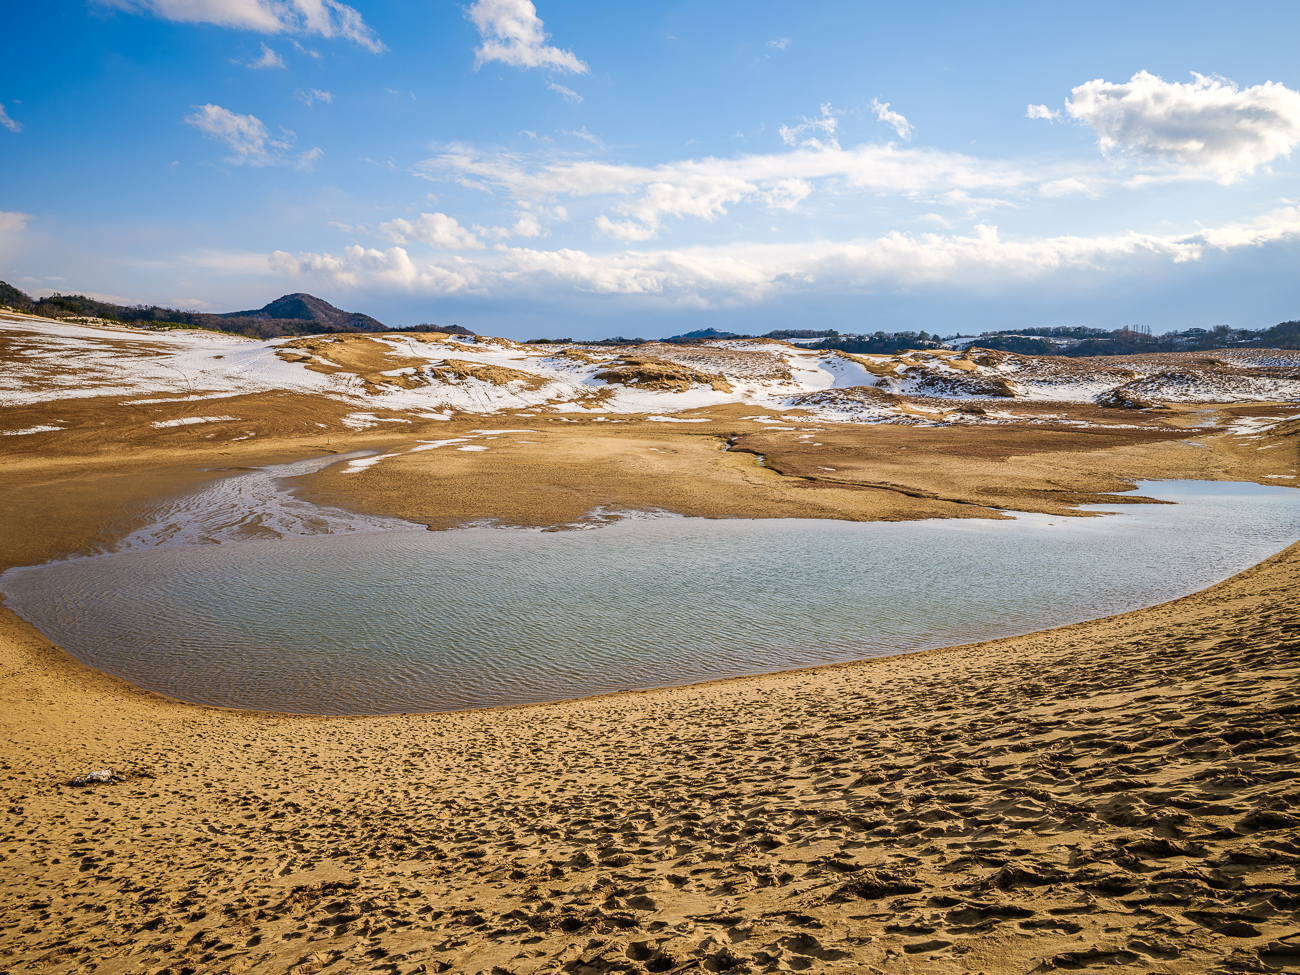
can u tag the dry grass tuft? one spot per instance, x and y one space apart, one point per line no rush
658 374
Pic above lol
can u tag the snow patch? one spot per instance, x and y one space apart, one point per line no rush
364 421
435 444
356 466
187 421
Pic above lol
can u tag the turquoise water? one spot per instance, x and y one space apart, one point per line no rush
411 620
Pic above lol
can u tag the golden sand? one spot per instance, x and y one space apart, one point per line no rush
1114 795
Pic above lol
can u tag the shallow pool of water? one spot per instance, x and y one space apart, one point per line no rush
411 620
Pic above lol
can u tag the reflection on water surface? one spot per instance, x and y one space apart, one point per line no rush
411 620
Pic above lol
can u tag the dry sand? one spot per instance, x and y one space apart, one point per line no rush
1118 794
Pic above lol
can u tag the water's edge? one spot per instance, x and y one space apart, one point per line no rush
585 616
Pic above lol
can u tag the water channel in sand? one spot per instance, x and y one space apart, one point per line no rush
377 617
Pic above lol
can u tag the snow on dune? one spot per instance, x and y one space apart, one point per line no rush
384 378
186 421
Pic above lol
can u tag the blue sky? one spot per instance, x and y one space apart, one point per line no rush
579 169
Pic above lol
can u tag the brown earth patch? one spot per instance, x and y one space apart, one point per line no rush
648 373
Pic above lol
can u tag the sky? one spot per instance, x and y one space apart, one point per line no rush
584 170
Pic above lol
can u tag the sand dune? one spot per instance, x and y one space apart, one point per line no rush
418 374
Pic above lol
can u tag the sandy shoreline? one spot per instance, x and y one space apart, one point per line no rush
1109 794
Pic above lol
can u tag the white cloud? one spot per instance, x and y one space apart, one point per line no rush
780 43
1041 111
899 124
366 266
513 34
1208 124
246 135
827 123
1064 187
313 95
730 274
705 188
328 18
786 194
7 122
624 229
568 94
268 59
437 229
249 139
527 226
12 222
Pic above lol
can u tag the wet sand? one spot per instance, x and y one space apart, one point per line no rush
1117 794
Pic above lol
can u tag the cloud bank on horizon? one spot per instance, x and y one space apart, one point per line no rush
486 159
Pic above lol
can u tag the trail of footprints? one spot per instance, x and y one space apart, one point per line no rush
1121 807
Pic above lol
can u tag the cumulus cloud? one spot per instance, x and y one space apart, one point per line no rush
628 230
704 197
730 274
268 59
368 267
899 124
780 43
513 34
527 226
1041 111
328 18
7 122
1208 124
248 138
437 229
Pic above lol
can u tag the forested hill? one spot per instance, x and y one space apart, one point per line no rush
296 314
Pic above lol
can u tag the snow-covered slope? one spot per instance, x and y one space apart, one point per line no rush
434 374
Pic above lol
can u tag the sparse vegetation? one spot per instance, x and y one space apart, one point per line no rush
879 343
1134 339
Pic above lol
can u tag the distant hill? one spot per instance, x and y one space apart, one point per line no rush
296 314
709 334
445 329
703 335
1079 341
